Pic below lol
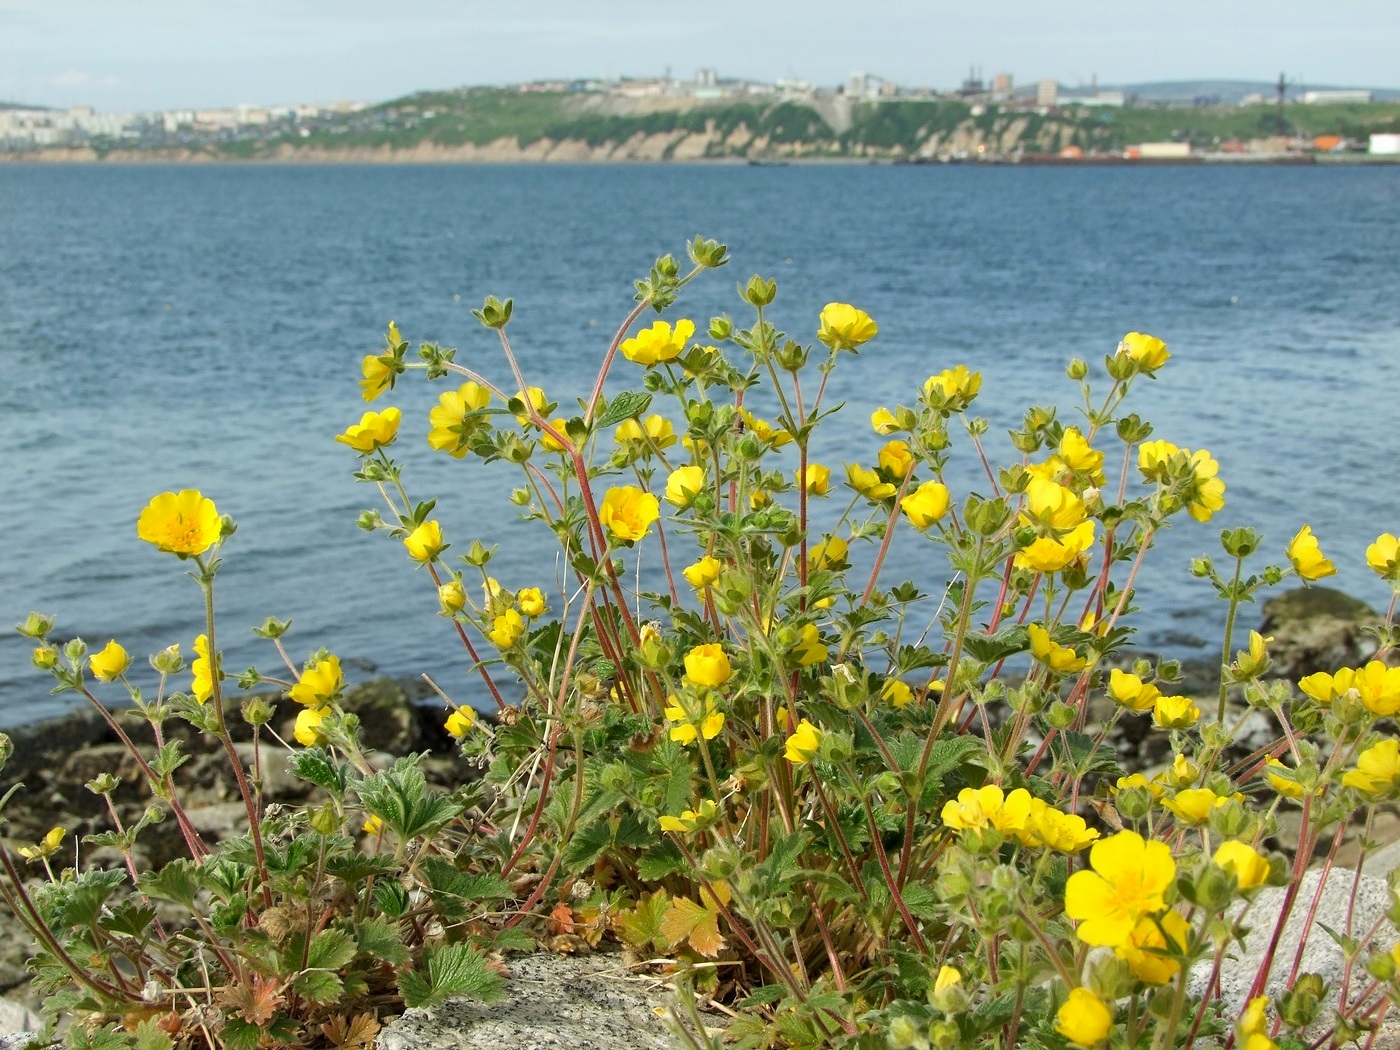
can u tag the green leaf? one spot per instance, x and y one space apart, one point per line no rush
921 901
318 986
455 893
80 903
400 797
178 881
665 859
238 1034
989 648
129 918
316 766
330 950
168 759
948 754
451 970
641 927
391 899
587 846
625 405
1081 746
357 867
150 1036
105 1038
380 940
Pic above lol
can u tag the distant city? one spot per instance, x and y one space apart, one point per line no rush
27 128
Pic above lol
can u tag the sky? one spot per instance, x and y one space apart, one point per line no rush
121 55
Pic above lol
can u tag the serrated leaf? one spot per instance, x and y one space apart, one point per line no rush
330 950
348 1034
238 1034
391 899
921 901
685 921
129 918
665 859
587 846
318 986
178 881
380 939
316 766
150 1036
255 1001
641 927
451 970
950 753
455 893
624 406
401 798
168 759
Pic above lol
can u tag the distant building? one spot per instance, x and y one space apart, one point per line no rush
707 77
1047 94
1002 85
1336 98
1164 150
1384 145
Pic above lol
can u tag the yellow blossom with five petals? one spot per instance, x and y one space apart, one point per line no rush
1129 879
374 430
629 512
843 327
183 523
109 664
659 343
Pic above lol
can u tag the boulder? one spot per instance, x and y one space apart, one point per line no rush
589 1002
1321 954
1317 629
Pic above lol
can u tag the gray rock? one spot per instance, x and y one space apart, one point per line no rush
589 1002
16 1018
1321 955
1316 629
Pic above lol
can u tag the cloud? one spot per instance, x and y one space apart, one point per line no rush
71 78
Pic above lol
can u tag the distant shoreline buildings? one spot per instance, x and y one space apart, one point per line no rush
33 128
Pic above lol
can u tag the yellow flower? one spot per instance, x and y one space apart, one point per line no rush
111 663
1059 658
843 327
1324 688
829 554
1377 685
948 976
897 692
1308 560
1137 780
628 512
816 480
1083 1019
655 430
425 542
1130 691
926 504
868 483
882 421
703 572
707 665
506 629
1194 805
977 809
1284 785
689 725
374 430
896 458
690 819
184 523
1377 769
1149 352
202 668
1052 504
1128 880
531 602
536 399
46 848
953 385
1146 951
45 657
763 430
1050 555
1076 454
1064 832
373 825
455 418
452 596
1249 867
804 743
307 731
1175 712
1207 494
379 375
659 343
684 484
810 649
459 722
319 684
1154 457
560 426
1383 556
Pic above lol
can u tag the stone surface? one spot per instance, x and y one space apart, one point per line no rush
589 1002
1316 629
1321 954
16 1018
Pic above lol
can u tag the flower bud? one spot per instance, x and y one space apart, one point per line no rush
721 327
1060 715
719 862
168 660
759 292
904 1034
1077 369
1239 543
7 748
1201 567
1299 1005
452 597
257 711
494 313
102 784
45 657
36 625
324 820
